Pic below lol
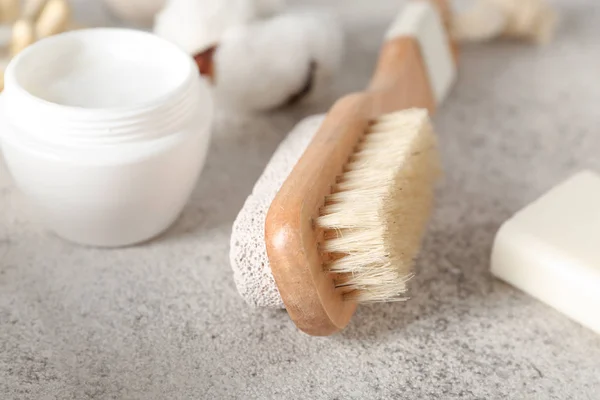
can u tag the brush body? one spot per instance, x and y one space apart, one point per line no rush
312 295
325 254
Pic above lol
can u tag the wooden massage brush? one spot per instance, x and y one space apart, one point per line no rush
347 223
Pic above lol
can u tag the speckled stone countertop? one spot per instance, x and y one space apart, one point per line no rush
164 321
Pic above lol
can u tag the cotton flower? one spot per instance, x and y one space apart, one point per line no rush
478 20
255 62
195 25
279 61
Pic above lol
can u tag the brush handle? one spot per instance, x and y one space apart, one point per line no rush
292 240
400 80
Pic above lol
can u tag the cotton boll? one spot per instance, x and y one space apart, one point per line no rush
195 25
478 20
529 19
326 46
273 63
260 67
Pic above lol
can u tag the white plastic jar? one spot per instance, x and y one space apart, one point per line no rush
106 131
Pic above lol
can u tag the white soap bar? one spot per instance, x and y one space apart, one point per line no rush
421 20
551 249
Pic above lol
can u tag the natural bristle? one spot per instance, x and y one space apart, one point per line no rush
376 216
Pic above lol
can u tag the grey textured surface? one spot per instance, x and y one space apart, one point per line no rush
164 321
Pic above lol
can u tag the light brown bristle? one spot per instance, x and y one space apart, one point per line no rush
376 216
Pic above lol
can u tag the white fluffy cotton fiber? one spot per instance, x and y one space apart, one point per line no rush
269 63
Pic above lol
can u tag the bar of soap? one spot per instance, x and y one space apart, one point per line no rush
551 249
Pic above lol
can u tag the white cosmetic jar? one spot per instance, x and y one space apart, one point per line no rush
106 132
